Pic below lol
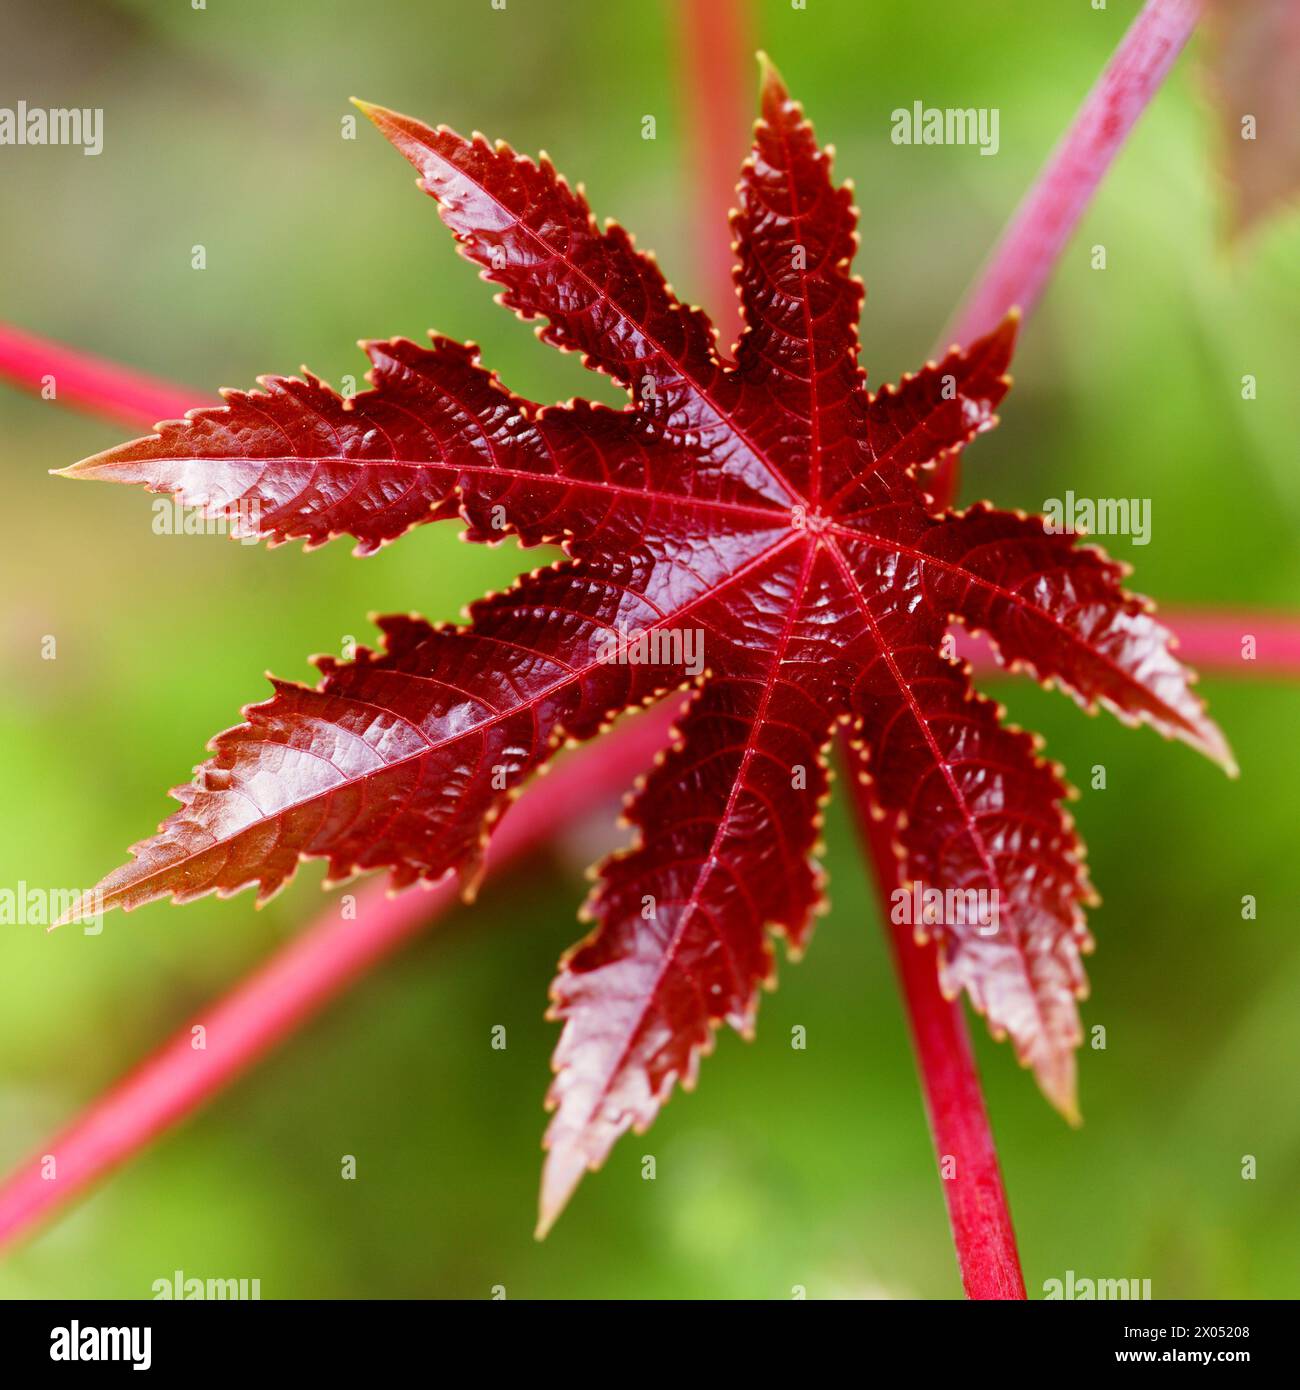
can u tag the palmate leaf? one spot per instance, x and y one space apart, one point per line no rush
754 532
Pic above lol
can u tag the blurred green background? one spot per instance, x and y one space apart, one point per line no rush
813 1168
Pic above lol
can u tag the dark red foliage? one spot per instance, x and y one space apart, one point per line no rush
768 508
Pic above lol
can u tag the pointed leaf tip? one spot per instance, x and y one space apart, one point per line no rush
1009 328
1057 1077
995 348
389 123
1220 752
77 912
771 85
561 1174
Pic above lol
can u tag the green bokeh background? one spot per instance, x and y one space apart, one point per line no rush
812 1168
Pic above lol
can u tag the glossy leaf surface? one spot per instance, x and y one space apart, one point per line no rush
756 533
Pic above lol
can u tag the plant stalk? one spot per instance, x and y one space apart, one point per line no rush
1025 255
1027 252
978 1210
1207 640
90 383
715 71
